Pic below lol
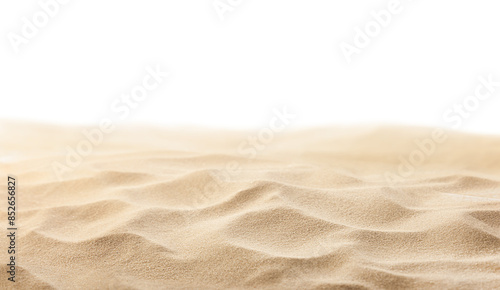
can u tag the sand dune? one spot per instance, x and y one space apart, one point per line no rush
151 208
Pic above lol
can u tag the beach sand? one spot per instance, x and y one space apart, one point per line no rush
325 208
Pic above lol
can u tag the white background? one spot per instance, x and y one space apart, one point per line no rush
265 54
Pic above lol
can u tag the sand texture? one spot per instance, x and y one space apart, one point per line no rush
153 208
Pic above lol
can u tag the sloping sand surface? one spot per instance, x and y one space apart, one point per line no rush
325 208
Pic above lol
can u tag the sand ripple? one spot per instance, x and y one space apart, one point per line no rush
308 213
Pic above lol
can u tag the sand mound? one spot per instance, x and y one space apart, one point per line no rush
317 209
